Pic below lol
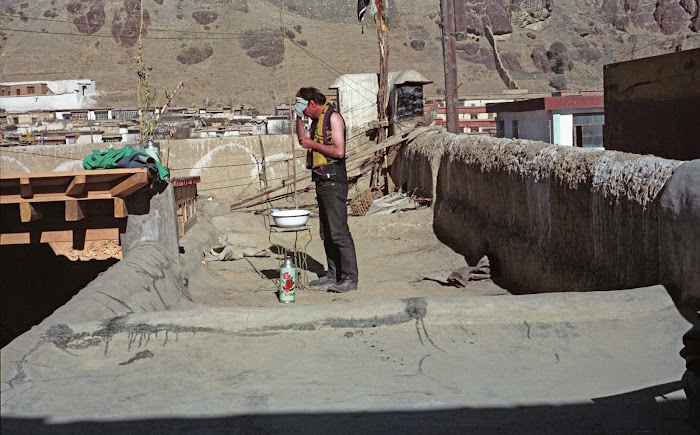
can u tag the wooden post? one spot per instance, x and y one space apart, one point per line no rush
383 39
75 210
450 64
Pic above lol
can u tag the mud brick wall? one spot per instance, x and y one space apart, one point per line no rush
555 218
229 167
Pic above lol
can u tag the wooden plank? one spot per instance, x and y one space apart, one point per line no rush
120 210
25 187
28 213
77 186
90 234
101 173
49 187
130 185
53 197
393 140
15 238
75 210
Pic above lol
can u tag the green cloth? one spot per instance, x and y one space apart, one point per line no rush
107 158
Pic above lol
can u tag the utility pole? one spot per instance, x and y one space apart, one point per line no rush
383 39
447 12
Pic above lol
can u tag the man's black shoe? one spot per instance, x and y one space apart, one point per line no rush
324 280
343 286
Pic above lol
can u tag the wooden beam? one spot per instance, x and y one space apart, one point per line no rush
28 213
75 210
59 236
77 186
15 239
90 234
25 187
130 185
393 140
52 197
99 174
120 210
62 186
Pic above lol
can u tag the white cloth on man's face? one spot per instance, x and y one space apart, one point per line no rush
299 106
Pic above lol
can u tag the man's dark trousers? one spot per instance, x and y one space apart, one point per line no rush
335 232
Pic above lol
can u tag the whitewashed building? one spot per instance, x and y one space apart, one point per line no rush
561 119
357 97
74 94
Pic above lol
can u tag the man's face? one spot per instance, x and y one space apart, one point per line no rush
312 110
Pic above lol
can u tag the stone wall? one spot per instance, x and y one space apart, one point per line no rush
502 70
554 218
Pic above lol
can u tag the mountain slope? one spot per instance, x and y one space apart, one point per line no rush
231 52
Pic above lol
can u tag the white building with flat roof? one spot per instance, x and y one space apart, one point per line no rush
18 97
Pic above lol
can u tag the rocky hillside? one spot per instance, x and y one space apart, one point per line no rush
230 52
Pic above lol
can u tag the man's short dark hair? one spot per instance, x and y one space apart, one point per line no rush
312 94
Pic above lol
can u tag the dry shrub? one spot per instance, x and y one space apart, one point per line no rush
263 46
558 56
205 17
194 55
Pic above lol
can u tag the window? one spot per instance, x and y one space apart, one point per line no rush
409 102
516 132
30 89
101 115
588 130
129 113
474 116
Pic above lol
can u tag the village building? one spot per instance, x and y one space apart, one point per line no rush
357 100
18 97
561 119
473 117
650 102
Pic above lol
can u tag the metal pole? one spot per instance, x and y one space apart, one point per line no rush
450 65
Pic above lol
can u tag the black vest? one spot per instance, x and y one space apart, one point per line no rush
335 171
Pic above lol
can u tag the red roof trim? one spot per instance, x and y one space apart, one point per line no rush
575 102
549 103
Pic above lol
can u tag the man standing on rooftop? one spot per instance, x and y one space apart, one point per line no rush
325 145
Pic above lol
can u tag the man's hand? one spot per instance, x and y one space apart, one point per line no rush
306 142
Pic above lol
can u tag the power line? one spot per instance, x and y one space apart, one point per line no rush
338 74
148 29
5 150
4 29
656 42
334 71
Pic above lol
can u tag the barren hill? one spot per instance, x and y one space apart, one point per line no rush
231 52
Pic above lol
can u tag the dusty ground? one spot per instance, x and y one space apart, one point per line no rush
393 253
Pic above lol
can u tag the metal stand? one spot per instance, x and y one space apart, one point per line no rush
298 251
